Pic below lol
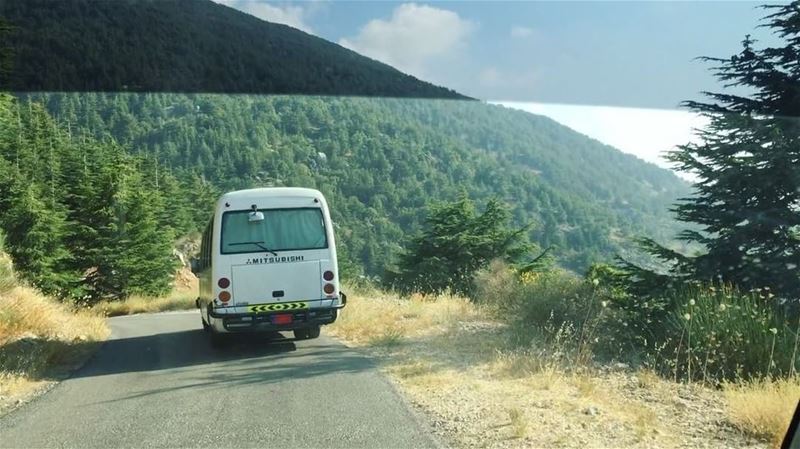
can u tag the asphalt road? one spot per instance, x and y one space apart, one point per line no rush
158 383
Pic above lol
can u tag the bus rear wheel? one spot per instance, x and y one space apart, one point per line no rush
306 334
217 339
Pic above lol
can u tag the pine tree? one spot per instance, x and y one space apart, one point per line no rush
128 251
747 164
35 234
456 243
146 264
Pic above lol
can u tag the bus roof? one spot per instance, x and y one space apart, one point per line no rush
272 192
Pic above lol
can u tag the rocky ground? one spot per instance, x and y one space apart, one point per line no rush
476 393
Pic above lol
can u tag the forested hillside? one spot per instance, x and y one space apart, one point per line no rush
380 161
182 46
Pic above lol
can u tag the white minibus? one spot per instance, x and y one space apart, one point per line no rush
268 263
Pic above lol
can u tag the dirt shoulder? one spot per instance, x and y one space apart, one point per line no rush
456 366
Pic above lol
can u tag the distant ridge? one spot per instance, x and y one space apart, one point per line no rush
184 46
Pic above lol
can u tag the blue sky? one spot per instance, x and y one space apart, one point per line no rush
636 54
571 60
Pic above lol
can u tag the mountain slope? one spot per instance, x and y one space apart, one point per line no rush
380 161
184 46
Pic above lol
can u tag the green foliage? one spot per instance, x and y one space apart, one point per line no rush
81 218
606 275
146 261
552 308
130 252
7 278
748 188
541 263
718 333
379 161
456 243
691 333
36 240
555 298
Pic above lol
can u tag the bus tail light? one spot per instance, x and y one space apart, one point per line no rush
224 296
224 282
329 289
328 275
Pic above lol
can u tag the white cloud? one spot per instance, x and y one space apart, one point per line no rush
521 32
414 36
292 15
645 133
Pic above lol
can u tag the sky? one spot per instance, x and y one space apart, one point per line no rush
614 70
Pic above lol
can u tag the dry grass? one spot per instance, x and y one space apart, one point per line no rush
647 378
142 304
181 298
763 408
40 340
384 319
519 424
480 389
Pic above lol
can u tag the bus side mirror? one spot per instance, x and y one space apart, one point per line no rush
194 265
256 216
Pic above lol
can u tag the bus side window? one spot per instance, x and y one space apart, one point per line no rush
205 247
209 245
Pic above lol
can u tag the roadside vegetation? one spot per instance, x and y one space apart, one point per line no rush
517 370
712 335
41 339
176 300
181 297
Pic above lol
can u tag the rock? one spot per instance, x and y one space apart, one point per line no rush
591 411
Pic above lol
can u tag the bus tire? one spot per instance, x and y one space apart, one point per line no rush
217 339
306 334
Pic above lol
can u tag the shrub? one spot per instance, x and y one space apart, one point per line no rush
707 333
555 309
7 278
455 244
718 333
497 286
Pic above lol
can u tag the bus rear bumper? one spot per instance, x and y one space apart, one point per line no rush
273 322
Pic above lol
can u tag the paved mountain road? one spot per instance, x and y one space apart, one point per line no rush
158 383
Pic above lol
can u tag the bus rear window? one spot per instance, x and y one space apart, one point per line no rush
281 230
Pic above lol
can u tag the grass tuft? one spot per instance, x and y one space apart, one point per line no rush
519 425
763 408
